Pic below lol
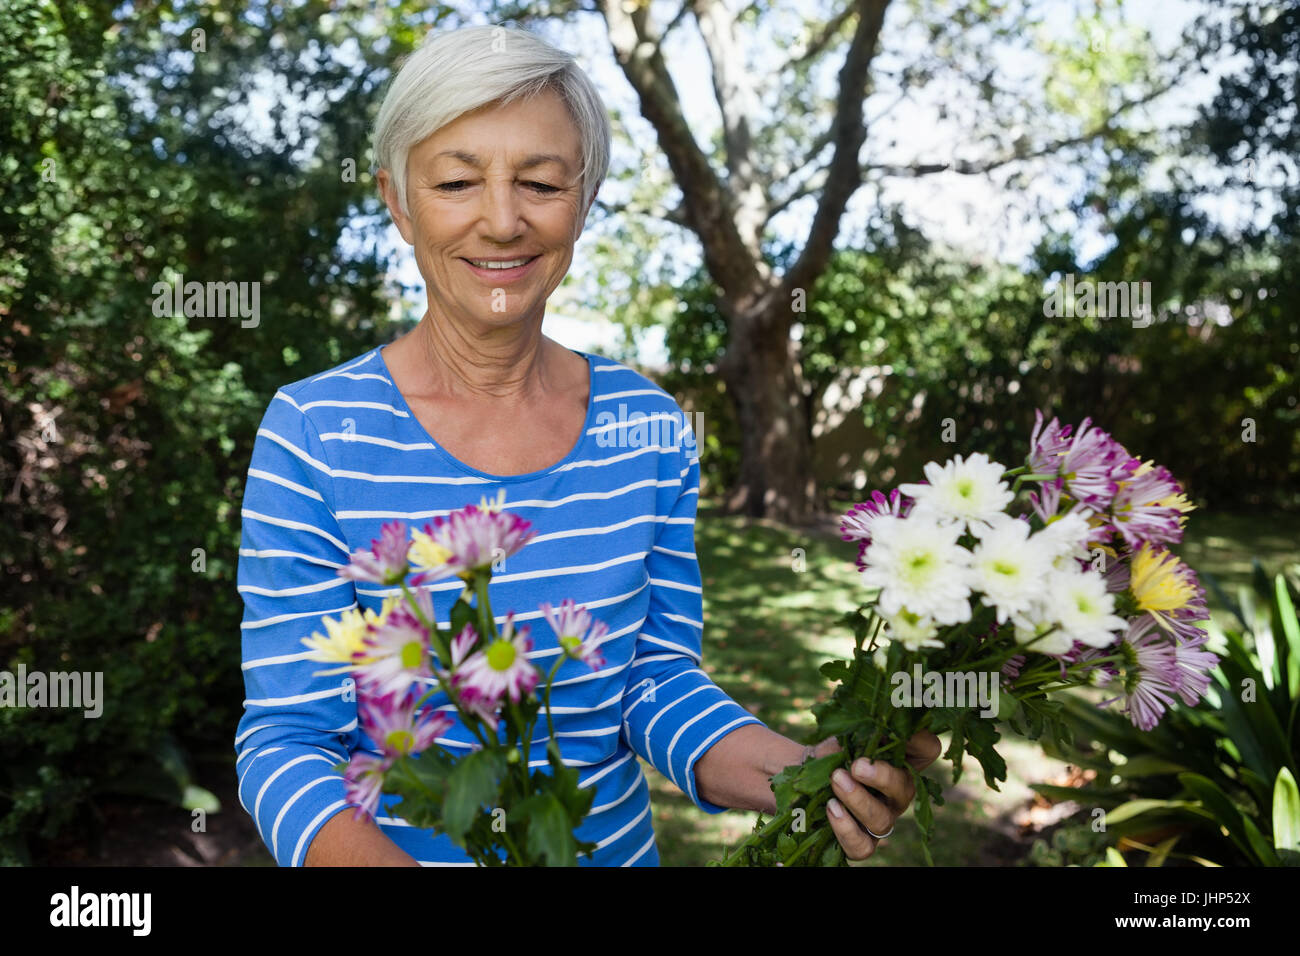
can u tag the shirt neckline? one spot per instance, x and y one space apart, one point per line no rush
587 425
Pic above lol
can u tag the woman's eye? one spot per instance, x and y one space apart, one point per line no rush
460 184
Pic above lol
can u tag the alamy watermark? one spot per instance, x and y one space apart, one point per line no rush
1105 300
924 688
636 429
73 689
75 908
217 300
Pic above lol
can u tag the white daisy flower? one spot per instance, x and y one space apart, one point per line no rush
913 631
1066 539
918 565
1029 626
1079 602
970 492
1008 566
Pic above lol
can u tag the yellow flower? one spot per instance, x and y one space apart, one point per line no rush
496 505
1157 581
426 554
346 637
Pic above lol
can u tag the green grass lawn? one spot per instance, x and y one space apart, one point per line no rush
772 598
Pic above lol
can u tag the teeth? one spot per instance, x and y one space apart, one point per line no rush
511 264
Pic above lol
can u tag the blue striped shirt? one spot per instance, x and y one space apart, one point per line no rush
340 453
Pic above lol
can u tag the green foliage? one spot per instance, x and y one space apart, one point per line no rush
467 798
124 434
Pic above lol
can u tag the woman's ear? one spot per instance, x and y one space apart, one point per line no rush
388 192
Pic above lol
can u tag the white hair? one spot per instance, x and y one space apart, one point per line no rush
456 71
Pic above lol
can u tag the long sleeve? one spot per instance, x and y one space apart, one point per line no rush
296 727
672 711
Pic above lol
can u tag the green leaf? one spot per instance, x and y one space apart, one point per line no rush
1090 793
922 809
1134 808
1286 813
550 834
835 670
1228 816
197 798
1161 851
1253 727
957 747
1147 765
472 785
462 613
981 735
815 775
784 788
1291 629
1223 597
1113 858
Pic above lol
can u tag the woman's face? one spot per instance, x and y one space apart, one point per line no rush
499 183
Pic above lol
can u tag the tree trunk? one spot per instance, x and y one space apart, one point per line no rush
764 378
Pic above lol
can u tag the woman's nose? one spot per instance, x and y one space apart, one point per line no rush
500 210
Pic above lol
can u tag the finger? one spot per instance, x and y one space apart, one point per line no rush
869 810
827 747
857 844
923 749
893 783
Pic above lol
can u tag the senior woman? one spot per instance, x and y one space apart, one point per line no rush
491 146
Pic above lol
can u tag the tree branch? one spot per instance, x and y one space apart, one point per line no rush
733 88
843 174
828 32
709 211
1021 153
676 215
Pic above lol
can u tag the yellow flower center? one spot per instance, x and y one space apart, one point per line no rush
412 654
401 741
501 655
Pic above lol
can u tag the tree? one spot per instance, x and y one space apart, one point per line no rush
769 165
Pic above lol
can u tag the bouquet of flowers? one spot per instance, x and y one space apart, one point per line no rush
489 800
980 602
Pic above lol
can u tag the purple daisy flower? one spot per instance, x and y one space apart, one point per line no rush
579 634
476 538
385 562
1091 462
1150 673
397 729
856 523
1192 667
499 670
396 654
1094 465
363 782
1011 668
395 726
1047 445
1144 509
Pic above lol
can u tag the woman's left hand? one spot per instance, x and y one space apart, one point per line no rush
855 810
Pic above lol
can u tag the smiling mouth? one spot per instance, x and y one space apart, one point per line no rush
502 264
